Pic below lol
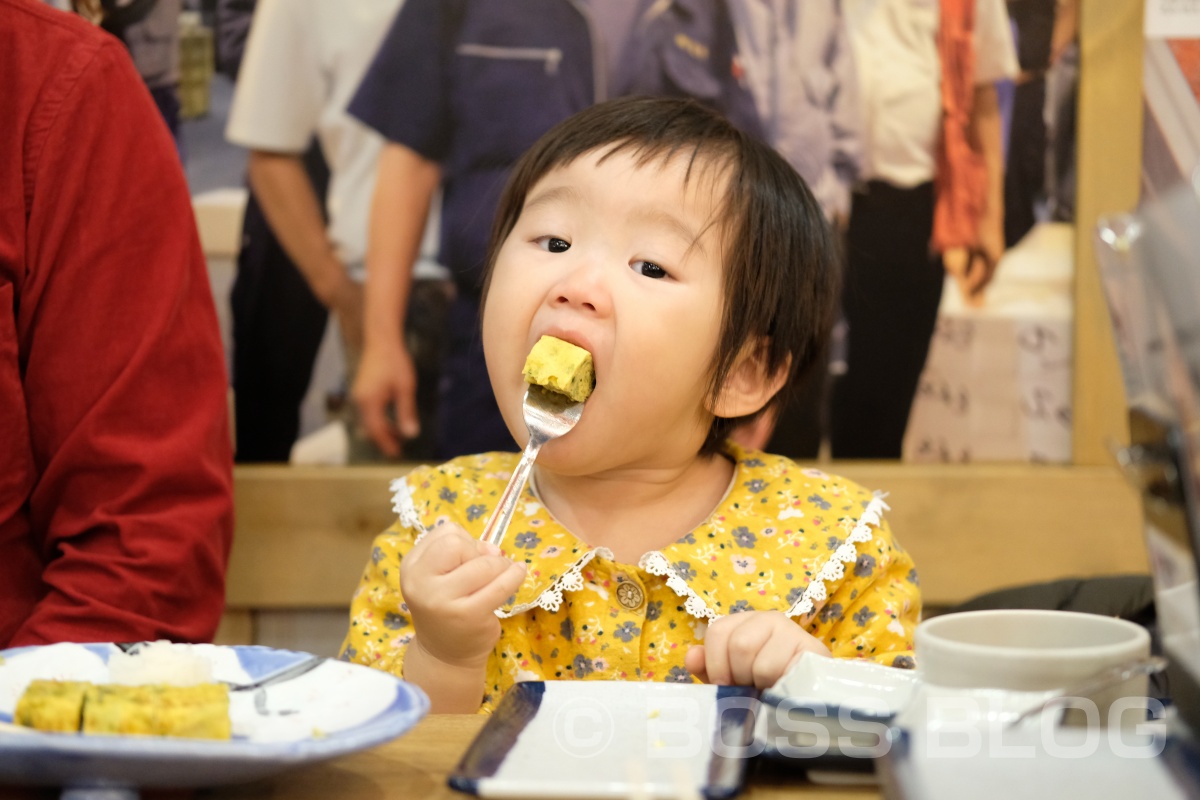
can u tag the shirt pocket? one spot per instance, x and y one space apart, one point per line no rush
548 57
512 93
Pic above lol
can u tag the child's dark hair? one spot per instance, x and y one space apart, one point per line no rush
782 273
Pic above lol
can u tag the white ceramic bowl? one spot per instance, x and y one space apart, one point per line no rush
1029 650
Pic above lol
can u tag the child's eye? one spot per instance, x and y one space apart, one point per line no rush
649 269
554 244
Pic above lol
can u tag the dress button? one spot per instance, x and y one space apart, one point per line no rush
630 595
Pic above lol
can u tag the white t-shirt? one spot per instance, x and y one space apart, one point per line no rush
899 73
304 60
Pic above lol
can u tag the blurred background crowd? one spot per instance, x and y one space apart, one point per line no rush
373 138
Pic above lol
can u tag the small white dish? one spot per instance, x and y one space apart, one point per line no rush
832 712
842 682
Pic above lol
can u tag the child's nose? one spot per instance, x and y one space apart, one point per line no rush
584 289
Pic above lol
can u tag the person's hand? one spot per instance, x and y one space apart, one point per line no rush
347 306
974 268
453 583
985 257
955 261
386 379
753 648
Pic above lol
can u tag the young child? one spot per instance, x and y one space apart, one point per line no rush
695 266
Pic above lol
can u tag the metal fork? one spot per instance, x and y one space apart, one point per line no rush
548 415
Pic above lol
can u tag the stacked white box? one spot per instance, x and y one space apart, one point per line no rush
997 382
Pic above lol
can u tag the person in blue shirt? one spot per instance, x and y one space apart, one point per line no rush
461 88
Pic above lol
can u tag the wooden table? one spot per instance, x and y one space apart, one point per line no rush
415 766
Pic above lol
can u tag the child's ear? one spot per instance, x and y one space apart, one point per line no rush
749 386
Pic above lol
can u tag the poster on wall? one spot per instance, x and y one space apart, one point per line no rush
1167 236
997 382
1171 133
1166 19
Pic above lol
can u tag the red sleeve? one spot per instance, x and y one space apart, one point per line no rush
124 374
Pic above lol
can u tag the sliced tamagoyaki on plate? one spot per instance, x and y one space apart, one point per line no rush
195 712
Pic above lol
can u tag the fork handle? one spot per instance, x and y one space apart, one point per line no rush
498 524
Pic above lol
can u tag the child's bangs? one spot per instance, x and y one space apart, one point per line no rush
711 165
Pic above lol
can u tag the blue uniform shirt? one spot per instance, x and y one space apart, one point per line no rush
472 84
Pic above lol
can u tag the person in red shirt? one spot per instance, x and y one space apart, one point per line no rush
116 510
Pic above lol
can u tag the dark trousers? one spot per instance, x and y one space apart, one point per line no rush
800 426
468 418
166 98
892 290
425 330
278 325
425 336
1025 169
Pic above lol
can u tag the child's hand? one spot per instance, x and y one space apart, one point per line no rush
753 648
452 584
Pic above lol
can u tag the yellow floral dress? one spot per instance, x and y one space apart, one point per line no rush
784 538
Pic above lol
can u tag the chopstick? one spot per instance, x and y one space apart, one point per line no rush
279 676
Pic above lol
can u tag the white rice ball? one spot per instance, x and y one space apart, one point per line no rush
160 662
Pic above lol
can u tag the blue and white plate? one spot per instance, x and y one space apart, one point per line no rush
329 710
604 739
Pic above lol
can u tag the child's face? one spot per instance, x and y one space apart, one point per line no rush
625 261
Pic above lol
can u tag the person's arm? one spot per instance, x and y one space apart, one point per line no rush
986 138
1066 28
405 96
874 610
286 195
386 377
845 119
452 689
995 60
124 375
276 109
735 100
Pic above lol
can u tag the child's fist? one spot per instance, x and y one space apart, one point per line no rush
753 648
453 583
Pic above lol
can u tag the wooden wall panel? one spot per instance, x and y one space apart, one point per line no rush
1109 161
237 627
303 535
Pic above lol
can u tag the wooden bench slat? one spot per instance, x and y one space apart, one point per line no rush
303 533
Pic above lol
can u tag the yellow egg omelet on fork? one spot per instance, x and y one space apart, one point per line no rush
561 367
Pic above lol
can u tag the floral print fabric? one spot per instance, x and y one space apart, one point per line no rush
780 530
